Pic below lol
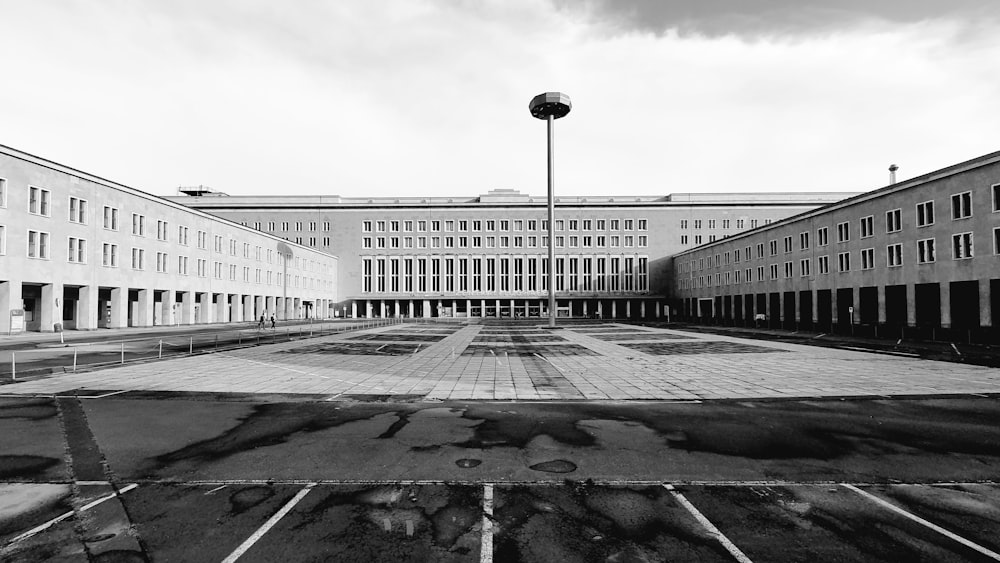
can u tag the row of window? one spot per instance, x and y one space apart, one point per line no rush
489 225
561 241
962 248
491 275
740 223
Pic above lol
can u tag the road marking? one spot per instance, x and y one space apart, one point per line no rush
886 504
707 524
268 525
106 394
486 546
57 519
219 488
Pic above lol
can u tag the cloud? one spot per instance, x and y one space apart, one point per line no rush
768 18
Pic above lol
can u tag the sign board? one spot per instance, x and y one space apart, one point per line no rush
16 321
850 309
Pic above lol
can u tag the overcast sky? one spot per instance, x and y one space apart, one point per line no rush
424 97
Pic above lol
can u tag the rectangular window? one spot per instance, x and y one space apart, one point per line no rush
615 225
774 271
772 247
843 232
161 230
77 210
925 251
109 257
804 266
867 226
925 213
643 241
161 262
38 201
422 226
182 235
961 246
366 226
138 259
961 205
110 218
823 264
643 226
38 245
996 240
804 241
3 192
788 244
893 221
822 236
697 223
629 224
3 240
844 262
788 269
182 267
867 258
601 223
77 250
894 255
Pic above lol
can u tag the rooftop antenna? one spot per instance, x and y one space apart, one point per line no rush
892 173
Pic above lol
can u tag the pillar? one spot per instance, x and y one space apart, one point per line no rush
656 310
426 310
586 313
258 306
145 308
833 305
119 307
354 309
235 309
642 309
297 308
985 303
409 309
50 309
206 309
628 309
600 309
248 308
482 308
815 309
881 304
10 298
498 307
167 307
187 308
945 304
87 313
269 305
614 309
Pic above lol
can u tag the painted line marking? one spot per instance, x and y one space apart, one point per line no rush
268 525
486 545
107 394
219 488
707 524
57 519
886 504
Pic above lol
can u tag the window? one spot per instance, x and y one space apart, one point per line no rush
138 259
867 226
867 258
366 226
711 223
697 223
772 247
449 226
110 218
642 225
203 240
436 226
407 226
38 201
643 241
961 205
788 269
725 225
925 213
774 271
961 246
3 192
615 225
893 221
925 251
995 187
788 244
161 230
843 232
110 255
77 210
996 240
823 264
804 241
3 240
161 262
182 267
823 236
629 224
77 250
894 255
422 226
760 250
38 245
182 235
844 262
804 265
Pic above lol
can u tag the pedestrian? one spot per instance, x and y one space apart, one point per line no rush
260 324
272 322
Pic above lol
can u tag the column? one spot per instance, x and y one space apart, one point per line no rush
187 308
600 309
512 312
881 304
145 308
426 309
642 309
454 308
206 309
614 309
833 305
297 308
269 305
468 308
945 304
482 308
50 308
586 313
409 309
354 309
235 313
498 302
10 298
985 303
815 309
628 309
258 306
87 313
167 310
119 307
248 308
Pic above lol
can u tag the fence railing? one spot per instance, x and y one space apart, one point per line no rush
69 356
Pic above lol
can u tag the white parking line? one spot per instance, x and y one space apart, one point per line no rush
707 524
486 546
268 525
57 519
885 504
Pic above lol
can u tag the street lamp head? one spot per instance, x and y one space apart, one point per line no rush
554 104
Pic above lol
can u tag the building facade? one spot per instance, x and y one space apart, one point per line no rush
922 255
80 252
486 256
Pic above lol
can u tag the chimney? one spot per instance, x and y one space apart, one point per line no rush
892 173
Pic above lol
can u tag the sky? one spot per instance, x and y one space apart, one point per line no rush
430 97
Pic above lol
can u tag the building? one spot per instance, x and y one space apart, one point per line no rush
920 256
81 252
486 256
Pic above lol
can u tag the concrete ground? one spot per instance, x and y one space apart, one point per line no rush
505 442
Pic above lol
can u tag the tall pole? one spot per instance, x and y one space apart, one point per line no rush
550 106
552 216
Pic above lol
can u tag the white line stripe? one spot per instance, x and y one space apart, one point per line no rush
268 525
712 530
57 519
486 546
107 394
885 504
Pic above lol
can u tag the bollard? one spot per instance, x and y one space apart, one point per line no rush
123 351
62 339
191 346
159 356
13 367
74 359
239 338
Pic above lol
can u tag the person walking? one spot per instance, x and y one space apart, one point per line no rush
260 324
272 322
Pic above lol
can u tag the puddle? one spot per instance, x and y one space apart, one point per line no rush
468 463
555 466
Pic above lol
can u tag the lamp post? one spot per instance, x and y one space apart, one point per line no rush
551 106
